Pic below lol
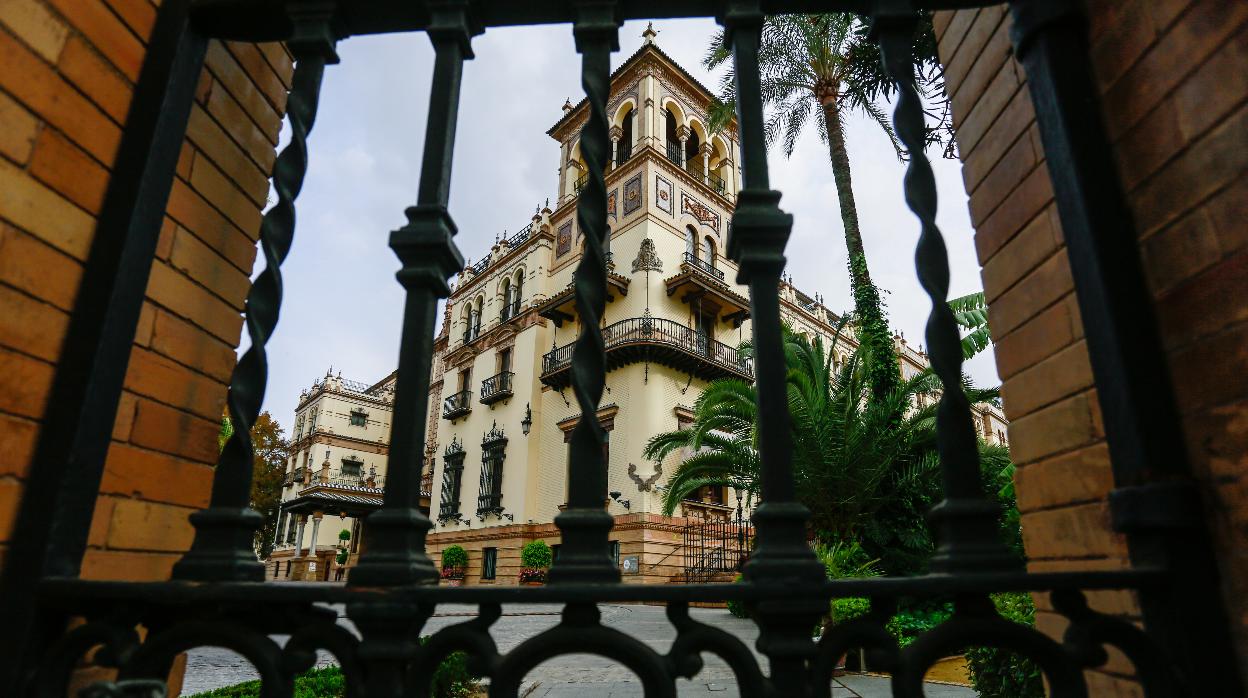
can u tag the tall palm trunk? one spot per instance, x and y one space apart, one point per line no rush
874 333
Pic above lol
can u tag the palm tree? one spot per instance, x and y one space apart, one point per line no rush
971 313
826 63
853 454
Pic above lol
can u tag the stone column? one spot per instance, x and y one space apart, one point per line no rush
682 132
706 164
303 521
316 528
616 134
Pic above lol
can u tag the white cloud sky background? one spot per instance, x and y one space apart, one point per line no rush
343 306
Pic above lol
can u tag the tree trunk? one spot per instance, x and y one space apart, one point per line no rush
874 333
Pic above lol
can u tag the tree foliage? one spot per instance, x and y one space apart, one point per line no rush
271 452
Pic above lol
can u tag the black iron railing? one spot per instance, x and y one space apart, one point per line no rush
716 183
217 597
624 151
509 310
674 154
457 405
715 548
346 478
659 332
520 236
496 387
580 183
703 266
471 334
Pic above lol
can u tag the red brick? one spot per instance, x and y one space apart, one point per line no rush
140 525
111 565
228 157
160 378
1041 288
17 138
68 170
1040 337
995 55
17 444
189 345
1207 95
955 32
1053 379
234 119
1001 180
10 496
984 152
240 208
1031 197
1076 531
187 299
1180 251
1217 442
202 264
1034 244
36 268
1077 477
1211 372
161 428
98 79
31 326
37 86
1122 43
127 406
24 385
1186 314
241 87
1228 209
970 127
190 210
42 30
156 477
279 59
1057 428
139 15
973 45
1145 148
106 32
1204 168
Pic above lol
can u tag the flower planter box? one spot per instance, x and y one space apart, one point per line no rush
454 582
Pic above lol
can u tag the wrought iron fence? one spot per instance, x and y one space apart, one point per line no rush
674 155
217 597
496 386
704 266
457 404
657 331
509 310
715 548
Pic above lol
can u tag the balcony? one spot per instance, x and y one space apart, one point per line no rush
623 152
717 184
662 341
496 388
561 307
347 478
580 183
509 311
471 334
704 266
457 405
673 153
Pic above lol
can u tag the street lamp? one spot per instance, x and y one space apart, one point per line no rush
527 423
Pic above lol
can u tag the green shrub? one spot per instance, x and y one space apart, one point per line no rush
451 680
737 608
344 534
536 555
915 618
847 609
454 556
998 673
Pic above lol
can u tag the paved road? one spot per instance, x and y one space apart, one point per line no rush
576 675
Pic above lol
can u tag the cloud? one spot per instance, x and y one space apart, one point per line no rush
343 306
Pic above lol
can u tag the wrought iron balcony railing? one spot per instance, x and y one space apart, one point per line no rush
457 405
580 183
716 183
215 596
496 387
471 334
509 310
623 152
661 340
674 154
704 266
346 478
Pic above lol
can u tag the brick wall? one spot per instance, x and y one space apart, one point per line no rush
1171 76
68 71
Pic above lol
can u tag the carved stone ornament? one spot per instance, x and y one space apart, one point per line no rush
647 258
644 485
699 210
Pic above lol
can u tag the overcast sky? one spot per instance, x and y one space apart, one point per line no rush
342 305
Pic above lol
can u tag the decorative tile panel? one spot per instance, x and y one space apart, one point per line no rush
563 243
705 214
662 194
632 194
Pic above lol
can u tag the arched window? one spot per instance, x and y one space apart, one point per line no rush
708 250
693 161
518 287
508 293
673 142
625 148
691 242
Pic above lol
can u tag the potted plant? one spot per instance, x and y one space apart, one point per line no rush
454 563
535 560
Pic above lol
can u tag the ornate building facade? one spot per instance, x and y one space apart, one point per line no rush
500 404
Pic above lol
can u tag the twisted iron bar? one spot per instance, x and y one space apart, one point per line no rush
585 524
965 519
223 549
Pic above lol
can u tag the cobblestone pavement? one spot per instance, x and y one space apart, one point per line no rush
574 675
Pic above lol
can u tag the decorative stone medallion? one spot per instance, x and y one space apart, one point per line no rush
663 194
632 194
647 258
699 210
563 243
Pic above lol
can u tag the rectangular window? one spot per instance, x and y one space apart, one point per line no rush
554 553
452 472
490 492
352 467
489 562
359 418
615 553
504 361
465 379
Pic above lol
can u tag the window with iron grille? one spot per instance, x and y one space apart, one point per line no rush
489 562
493 451
452 473
359 418
352 467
